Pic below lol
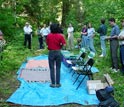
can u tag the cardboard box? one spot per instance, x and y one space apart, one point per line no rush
93 85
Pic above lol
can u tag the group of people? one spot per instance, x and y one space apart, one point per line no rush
54 39
87 37
88 33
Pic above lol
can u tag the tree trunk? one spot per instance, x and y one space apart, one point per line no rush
65 10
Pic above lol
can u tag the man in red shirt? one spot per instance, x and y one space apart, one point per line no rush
55 41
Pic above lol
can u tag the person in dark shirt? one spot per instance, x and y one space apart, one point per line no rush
55 41
121 44
102 32
114 44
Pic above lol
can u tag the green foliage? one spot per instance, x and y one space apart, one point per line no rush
7 23
14 14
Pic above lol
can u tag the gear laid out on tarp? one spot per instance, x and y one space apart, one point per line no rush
39 93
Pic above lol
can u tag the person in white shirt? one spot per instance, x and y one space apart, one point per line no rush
44 32
27 32
121 43
70 31
91 34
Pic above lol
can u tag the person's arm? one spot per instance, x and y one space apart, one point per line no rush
63 42
109 37
121 38
117 31
93 33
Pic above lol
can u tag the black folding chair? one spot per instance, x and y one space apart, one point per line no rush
84 70
79 60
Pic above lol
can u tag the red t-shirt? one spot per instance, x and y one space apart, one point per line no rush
55 41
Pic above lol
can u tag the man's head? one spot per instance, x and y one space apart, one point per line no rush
27 24
103 21
112 21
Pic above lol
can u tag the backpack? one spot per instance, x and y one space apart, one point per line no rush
106 99
102 95
110 102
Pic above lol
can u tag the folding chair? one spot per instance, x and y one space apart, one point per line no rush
84 70
77 59
77 65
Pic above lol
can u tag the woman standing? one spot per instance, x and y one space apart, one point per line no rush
55 41
91 34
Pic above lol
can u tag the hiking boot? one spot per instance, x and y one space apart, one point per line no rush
52 85
58 85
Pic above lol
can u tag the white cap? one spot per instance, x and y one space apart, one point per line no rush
27 23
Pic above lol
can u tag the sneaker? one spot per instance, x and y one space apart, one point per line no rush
52 85
115 70
58 85
111 68
101 55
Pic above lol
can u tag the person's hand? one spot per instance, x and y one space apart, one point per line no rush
107 38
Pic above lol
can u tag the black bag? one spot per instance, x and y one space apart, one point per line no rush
109 103
102 95
106 99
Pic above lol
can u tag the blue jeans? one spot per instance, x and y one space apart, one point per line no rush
103 46
55 59
84 41
91 44
122 57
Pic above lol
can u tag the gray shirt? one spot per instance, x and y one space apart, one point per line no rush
115 31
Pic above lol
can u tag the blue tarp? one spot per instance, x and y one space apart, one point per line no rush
40 94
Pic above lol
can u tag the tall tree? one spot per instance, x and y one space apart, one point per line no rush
65 10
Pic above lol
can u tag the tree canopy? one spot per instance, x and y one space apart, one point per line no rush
14 13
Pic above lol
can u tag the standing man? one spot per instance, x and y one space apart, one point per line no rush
28 33
45 31
55 41
114 44
121 43
70 31
102 31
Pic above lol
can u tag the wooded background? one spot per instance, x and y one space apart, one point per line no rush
14 13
